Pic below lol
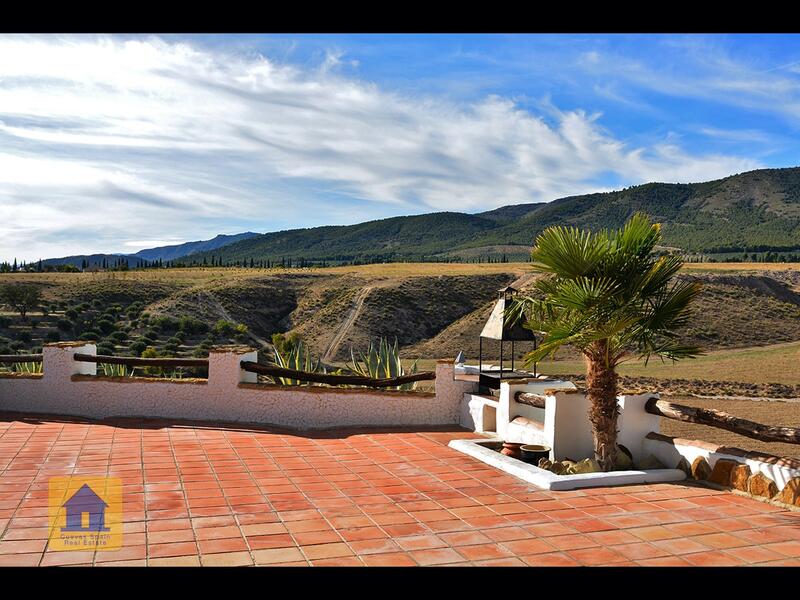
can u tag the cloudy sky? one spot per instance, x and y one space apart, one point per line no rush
117 143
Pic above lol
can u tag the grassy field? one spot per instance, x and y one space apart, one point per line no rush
769 364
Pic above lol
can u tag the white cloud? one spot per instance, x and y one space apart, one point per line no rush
104 141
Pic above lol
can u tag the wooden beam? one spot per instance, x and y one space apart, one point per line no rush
132 361
274 371
20 358
723 420
529 399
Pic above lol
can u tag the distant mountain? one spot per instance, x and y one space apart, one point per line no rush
189 248
753 211
163 253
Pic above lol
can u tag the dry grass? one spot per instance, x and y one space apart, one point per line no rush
768 412
769 364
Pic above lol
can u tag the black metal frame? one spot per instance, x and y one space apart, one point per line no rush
502 370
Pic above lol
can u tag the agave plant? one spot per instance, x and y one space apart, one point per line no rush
27 367
116 370
382 362
298 358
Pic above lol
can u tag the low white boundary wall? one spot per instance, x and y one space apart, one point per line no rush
71 388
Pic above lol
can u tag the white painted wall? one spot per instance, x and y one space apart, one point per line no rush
229 394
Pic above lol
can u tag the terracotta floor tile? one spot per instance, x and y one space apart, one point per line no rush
754 554
529 546
551 559
178 561
572 542
319 551
664 561
484 552
309 538
680 546
639 551
394 559
420 542
436 556
374 546
720 541
227 559
277 556
405 529
596 556
789 549
712 558
502 534
222 545
172 549
464 538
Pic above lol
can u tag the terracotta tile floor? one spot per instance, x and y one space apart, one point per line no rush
214 495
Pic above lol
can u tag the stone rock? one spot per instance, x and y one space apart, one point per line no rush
790 494
700 468
739 477
588 465
721 473
624 460
761 485
684 466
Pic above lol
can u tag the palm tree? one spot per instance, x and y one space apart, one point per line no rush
610 297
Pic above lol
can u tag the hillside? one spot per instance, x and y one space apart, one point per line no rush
142 257
434 310
758 210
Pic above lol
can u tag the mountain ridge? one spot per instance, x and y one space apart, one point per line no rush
755 210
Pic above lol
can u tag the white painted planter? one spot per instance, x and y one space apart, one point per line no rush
481 450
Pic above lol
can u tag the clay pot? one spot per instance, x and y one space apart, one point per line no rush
511 449
533 453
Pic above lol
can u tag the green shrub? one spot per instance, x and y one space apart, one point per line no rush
118 336
5 321
105 325
16 345
71 314
224 327
200 352
89 336
137 347
52 336
105 348
64 324
164 323
24 336
179 335
191 325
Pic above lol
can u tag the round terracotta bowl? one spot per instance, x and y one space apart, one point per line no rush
511 449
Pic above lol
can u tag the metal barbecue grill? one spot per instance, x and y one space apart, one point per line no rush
498 328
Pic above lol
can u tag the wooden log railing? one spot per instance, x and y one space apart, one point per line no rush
723 420
19 358
274 371
132 361
534 400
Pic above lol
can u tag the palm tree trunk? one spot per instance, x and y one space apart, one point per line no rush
601 383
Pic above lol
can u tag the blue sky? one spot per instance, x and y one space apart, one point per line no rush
116 143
